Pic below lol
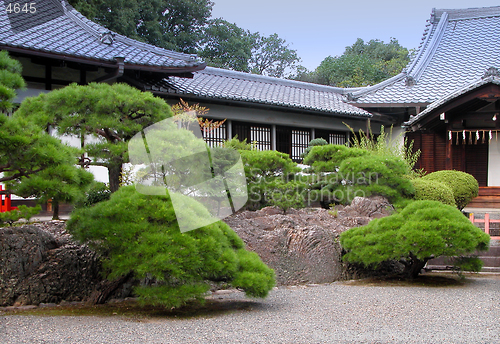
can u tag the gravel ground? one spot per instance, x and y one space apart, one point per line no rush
342 312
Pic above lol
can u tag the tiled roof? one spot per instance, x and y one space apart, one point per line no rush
215 83
457 47
494 79
57 28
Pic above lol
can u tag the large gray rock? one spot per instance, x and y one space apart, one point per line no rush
40 264
302 246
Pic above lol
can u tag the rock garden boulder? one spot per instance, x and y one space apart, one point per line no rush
302 246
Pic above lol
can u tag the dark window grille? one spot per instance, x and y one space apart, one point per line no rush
337 138
261 137
300 141
216 136
332 137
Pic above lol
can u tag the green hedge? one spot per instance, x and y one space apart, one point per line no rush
463 185
433 190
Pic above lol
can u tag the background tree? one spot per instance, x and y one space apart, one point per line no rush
272 56
186 26
174 24
104 118
225 45
361 64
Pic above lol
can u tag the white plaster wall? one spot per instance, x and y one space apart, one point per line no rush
494 163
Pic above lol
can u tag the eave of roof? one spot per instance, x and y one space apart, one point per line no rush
493 79
225 85
57 30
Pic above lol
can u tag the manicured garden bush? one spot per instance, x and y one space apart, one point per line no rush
266 173
314 142
463 185
421 231
138 234
432 190
374 175
328 158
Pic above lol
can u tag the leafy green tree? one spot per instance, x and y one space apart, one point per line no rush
327 158
139 235
104 117
361 64
315 142
174 24
10 80
225 45
25 149
421 231
272 56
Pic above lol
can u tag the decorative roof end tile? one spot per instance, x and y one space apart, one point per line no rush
107 37
410 81
492 71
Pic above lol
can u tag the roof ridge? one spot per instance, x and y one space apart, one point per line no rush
276 81
428 50
413 71
469 13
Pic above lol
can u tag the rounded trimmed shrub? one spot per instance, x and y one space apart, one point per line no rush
433 190
463 185
138 234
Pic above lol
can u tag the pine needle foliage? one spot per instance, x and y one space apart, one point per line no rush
139 234
421 231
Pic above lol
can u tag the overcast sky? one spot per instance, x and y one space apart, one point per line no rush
318 28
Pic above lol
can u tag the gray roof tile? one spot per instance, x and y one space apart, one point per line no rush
458 46
56 27
223 84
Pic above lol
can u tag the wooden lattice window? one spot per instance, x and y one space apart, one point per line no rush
300 141
332 137
259 135
216 136
337 138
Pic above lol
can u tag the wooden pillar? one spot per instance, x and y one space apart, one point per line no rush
313 134
273 137
229 129
487 223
